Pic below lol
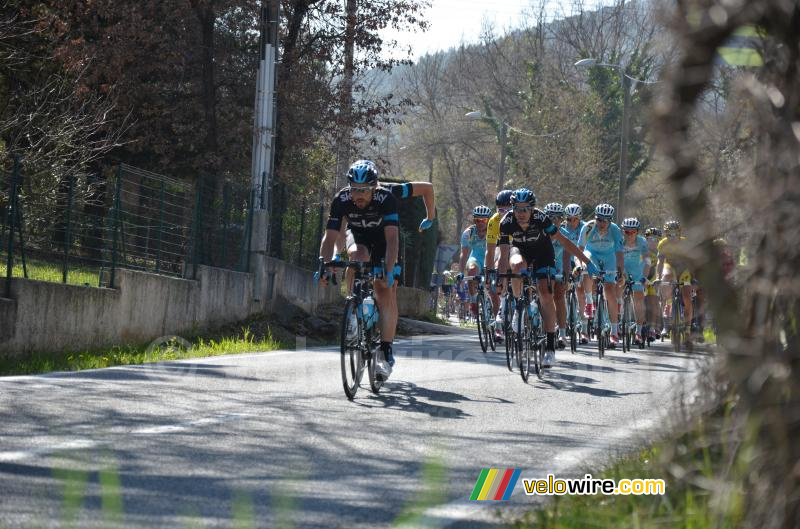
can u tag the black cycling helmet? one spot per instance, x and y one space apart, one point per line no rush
503 199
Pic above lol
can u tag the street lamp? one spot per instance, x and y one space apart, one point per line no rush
501 178
623 144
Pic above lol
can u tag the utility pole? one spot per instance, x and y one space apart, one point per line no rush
264 124
501 179
623 146
346 101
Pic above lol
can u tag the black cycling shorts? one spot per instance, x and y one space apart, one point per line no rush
374 241
541 257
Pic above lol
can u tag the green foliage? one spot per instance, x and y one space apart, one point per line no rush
705 471
244 342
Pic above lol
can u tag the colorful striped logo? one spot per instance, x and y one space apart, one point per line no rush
495 484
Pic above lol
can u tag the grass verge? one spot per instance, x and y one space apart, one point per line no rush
199 347
52 272
704 469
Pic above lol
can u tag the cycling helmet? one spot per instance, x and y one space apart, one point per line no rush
604 211
653 232
631 223
503 199
523 194
554 209
573 210
482 212
363 172
672 225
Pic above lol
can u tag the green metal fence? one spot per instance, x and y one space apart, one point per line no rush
83 229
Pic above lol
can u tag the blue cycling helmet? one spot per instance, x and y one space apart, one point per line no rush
503 199
363 172
523 194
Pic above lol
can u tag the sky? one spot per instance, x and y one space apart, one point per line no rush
454 21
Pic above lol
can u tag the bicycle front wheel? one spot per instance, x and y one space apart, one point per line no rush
600 330
523 341
373 343
572 322
508 332
483 333
352 359
676 333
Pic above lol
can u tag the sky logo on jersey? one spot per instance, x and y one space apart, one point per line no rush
495 484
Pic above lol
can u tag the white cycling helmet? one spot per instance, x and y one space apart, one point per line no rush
631 223
482 212
573 210
604 211
553 209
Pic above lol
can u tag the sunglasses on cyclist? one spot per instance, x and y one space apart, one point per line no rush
523 209
480 219
629 232
360 190
602 219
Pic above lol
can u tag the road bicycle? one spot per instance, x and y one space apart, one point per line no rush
629 317
574 324
509 306
528 335
360 335
485 320
601 318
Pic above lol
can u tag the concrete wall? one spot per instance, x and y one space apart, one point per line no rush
43 316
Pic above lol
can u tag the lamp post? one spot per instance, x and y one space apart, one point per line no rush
501 177
625 81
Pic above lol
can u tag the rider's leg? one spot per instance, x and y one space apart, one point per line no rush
518 264
638 305
559 295
611 293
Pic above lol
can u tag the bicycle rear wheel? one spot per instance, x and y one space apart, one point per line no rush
352 359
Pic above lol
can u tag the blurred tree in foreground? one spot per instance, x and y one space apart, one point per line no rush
758 322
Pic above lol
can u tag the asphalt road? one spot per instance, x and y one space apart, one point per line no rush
272 438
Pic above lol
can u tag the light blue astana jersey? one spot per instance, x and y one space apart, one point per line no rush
602 247
477 246
559 250
573 236
636 257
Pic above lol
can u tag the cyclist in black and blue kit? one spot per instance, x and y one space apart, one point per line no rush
370 212
526 237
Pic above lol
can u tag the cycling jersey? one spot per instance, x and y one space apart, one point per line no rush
559 251
493 228
675 252
602 247
399 191
534 242
636 258
367 224
573 235
380 212
477 245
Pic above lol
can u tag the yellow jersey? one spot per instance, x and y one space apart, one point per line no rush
674 252
493 228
